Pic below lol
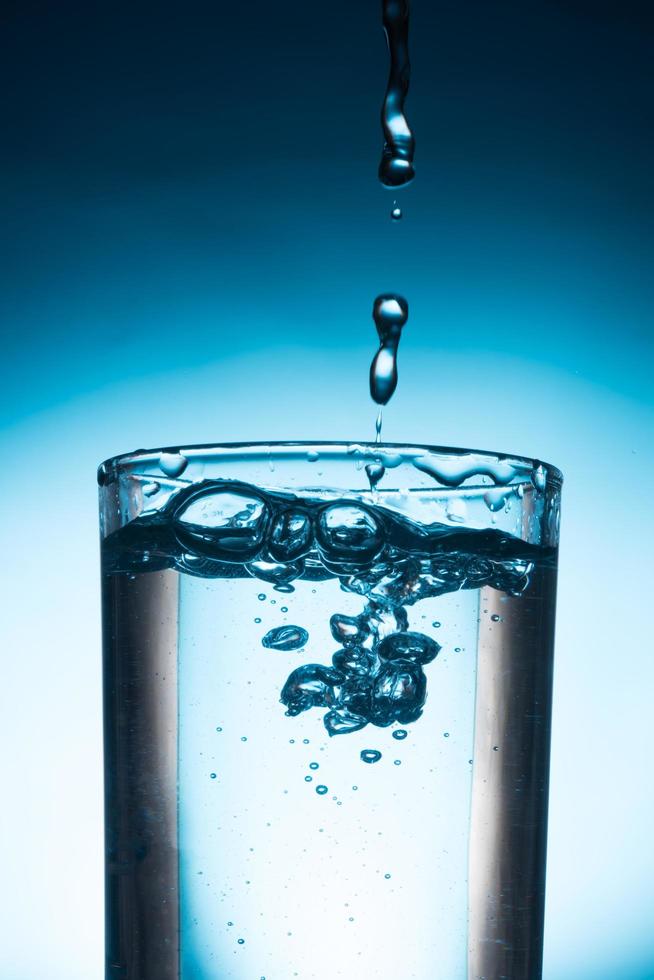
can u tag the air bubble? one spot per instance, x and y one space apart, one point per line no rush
400 734
285 638
370 755
321 790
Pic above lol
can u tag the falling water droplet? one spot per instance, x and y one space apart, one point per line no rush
396 166
396 213
390 313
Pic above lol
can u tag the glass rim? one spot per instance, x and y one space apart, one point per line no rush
340 448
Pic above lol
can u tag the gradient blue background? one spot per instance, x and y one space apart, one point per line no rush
192 237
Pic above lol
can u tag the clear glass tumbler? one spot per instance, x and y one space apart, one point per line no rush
327 682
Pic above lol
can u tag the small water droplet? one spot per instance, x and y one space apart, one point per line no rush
496 618
321 790
370 755
538 476
396 213
313 456
400 733
496 748
172 464
375 472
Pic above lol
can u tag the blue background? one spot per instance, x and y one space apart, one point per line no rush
192 237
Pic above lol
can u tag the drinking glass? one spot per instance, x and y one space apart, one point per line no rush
327 701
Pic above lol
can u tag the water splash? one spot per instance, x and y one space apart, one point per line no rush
396 166
390 312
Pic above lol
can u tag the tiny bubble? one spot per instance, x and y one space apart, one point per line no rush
399 734
305 741
313 765
213 775
355 787
457 649
397 762
273 602
387 876
351 919
230 923
308 779
446 734
244 738
284 608
219 729
261 596
291 741
321 790
257 619
496 618
240 941
496 748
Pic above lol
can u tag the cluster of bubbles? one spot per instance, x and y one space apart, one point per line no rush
376 676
